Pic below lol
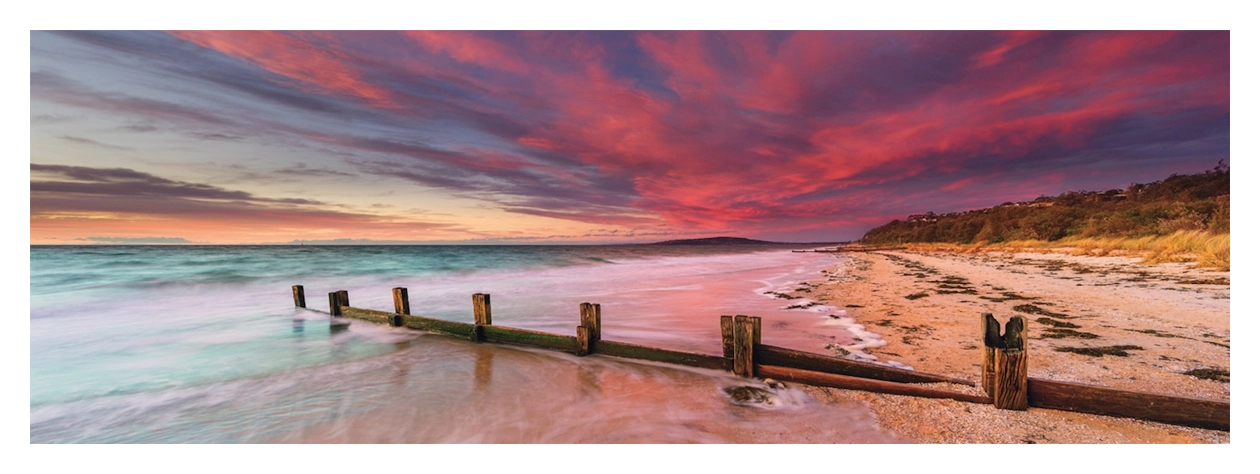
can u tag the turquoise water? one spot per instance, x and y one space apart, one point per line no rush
202 344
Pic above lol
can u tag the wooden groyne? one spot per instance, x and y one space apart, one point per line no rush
1004 370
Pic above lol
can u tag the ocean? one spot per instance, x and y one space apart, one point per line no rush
202 344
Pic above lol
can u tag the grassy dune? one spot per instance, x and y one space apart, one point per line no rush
1184 218
1207 249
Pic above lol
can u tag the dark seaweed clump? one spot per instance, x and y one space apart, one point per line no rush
1219 375
1037 310
1057 324
1119 351
1063 333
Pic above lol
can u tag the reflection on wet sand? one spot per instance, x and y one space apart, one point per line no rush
484 370
526 396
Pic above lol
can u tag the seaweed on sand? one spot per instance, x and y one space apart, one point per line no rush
1119 351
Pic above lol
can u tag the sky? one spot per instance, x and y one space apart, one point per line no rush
596 136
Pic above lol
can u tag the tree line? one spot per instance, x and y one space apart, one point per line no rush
1198 202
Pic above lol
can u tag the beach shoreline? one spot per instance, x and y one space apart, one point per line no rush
1107 321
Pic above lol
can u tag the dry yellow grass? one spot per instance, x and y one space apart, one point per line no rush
1207 249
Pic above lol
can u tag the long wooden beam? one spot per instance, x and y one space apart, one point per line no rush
771 355
1184 411
529 338
540 339
634 351
857 383
369 315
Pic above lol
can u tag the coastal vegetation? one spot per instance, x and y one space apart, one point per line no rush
1182 218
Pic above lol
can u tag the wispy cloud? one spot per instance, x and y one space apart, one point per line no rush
135 240
89 141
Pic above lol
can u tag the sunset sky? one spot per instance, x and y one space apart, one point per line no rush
522 137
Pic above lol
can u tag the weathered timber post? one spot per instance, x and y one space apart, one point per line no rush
481 315
991 335
747 335
401 303
584 340
344 297
334 304
299 296
588 333
728 337
401 307
591 318
481 309
1010 372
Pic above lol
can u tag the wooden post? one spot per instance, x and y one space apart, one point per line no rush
588 331
991 336
584 340
401 303
334 304
299 296
728 337
344 297
481 308
402 306
481 316
747 335
1010 372
590 319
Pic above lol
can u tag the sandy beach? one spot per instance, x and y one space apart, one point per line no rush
1108 321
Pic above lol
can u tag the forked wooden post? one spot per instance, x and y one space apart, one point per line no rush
1010 371
588 332
401 306
299 296
728 337
991 335
481 315
334 304
747 335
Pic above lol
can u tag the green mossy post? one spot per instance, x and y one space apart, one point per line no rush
299 296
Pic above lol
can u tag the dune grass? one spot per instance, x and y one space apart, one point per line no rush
1207 249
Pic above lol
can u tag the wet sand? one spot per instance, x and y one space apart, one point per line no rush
1174 318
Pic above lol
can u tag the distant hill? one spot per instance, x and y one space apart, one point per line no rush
1197 202
716 241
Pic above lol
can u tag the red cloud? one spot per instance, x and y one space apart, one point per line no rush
312 59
